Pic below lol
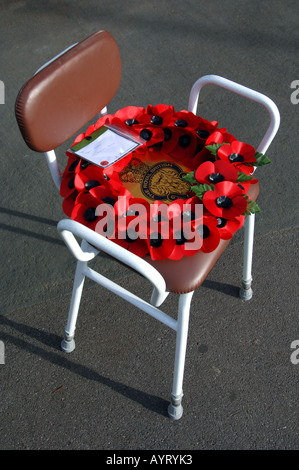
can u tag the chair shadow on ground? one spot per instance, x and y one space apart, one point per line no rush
227 289
29 233
151 402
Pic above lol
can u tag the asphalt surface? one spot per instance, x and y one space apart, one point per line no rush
111 393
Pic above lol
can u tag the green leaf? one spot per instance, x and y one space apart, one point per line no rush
252 207
243 177
200 189
261 159
214 148
189 177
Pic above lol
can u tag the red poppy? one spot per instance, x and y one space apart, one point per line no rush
84 210
205 128
182 212
203 132
88 174
125 203
208 232
227 227
159 245
69 202
220 136
71 164
130 113
175 222
132 214
106 194
182 144
130 241
186 120
106 120
156 116
190 121
151 136
213 173
148 123
227 200
239 154
67 186
187 243
124 126
158 213
163 110
245 185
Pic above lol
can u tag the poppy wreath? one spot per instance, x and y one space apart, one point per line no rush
221 173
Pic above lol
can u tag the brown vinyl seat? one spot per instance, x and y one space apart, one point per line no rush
51 107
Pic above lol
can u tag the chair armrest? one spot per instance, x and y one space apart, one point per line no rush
69 228
246 93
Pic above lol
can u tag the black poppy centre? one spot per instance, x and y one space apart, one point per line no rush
155 239
224 202
215 178
235 158
90 214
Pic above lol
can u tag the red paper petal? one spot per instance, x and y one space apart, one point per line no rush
231 226
130 112
68 203
219 137
228 189
246 150
67 185
160 250
210 234
191 246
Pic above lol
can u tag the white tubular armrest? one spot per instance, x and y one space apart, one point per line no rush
247 93
68 228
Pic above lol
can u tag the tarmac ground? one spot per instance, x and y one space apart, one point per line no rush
112 392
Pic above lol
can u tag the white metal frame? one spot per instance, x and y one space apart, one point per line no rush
92 243
246 290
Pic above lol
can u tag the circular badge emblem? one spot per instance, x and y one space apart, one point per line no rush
163 181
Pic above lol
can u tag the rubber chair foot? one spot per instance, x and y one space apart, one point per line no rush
245 294
68 345
175 411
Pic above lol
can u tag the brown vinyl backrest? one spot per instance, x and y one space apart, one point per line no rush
67 93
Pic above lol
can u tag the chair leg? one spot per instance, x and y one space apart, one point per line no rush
246 290
175 409
68 343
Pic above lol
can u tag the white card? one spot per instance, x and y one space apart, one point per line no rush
105 146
